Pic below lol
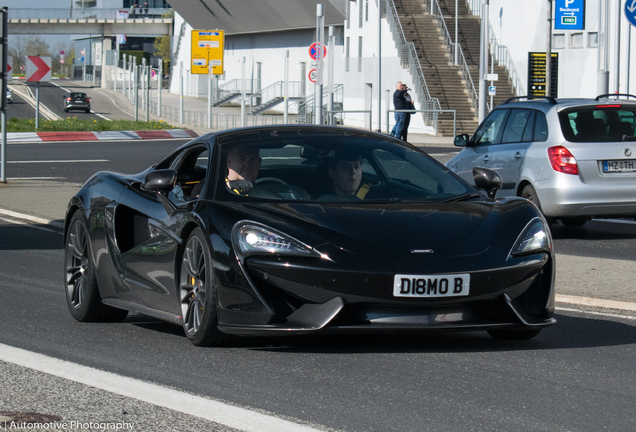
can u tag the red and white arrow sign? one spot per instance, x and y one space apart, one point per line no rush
9 68
38 68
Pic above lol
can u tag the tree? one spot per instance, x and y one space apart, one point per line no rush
22 46
162 47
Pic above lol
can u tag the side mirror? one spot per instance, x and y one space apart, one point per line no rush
461 140
160 181
488 180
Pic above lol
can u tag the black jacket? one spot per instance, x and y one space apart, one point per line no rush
399 101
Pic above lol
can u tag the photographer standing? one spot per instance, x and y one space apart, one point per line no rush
407 116
399 103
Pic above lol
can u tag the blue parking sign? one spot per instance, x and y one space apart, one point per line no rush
569 15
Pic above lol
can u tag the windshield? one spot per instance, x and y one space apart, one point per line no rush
601 123
330 166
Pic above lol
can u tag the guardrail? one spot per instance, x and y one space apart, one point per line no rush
434 112
410 60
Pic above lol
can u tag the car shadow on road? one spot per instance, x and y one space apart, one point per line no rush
569 332
23 237
595 231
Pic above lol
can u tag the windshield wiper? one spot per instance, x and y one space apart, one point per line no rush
463 197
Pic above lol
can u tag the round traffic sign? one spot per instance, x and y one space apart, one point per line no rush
61 61
314 50
153 74
313 75
630 11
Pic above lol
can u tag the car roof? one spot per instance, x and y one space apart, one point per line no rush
546 104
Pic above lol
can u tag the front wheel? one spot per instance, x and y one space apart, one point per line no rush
513 334
82 294
197 294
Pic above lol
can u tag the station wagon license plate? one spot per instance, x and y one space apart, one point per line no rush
427 286
628 165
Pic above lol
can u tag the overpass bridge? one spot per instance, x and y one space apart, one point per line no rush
107 22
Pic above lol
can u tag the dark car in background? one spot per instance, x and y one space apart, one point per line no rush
329 229
77 101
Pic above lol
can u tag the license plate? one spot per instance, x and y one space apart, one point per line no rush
628 165
426 286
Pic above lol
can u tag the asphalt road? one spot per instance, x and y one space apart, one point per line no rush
576 376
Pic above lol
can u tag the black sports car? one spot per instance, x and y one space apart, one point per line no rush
295 229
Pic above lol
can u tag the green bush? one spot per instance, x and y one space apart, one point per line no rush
73 124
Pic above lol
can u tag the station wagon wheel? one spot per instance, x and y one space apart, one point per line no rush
197 294
574 222
529 193
82 293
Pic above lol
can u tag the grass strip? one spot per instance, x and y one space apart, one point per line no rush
73 124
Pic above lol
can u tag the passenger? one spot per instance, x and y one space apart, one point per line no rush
242 169
346 172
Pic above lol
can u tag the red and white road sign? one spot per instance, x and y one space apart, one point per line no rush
38 68
314 51
9 68
61 61
313 75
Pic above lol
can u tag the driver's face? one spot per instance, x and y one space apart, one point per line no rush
346 177
243 163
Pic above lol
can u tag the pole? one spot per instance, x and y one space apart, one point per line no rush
148 94
602 78
456 32
548 52
320 12
123 76
492 71
286 90
142 76
629 47
159 89
243 92
37 104
379 69
137 93
209 96
483 60
181 93
332 43
617 49
3 104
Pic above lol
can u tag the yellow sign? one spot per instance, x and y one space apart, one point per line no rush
207 49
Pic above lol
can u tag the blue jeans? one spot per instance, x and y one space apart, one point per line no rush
399 124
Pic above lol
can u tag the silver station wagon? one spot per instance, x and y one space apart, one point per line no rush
574 158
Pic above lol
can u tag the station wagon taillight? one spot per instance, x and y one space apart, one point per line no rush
88 99
68 99
562 160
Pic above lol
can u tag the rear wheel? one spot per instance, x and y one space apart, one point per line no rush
513 334
574 222
529 193
197 293
82 294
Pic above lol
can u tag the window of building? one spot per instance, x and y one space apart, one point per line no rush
360 12
347 55
558 41
348 14
366 10
592 40
576 40
359 53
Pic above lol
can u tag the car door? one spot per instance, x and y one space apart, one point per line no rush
508 155
151 258
478 151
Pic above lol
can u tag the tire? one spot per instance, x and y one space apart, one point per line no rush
574 222
197 294
87 110
529 193
65 110
513 334
82 294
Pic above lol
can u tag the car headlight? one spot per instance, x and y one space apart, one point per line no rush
249 238
534 238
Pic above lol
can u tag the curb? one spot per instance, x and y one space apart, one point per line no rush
18 137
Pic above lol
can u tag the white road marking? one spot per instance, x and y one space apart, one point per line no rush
59 161
605 314
34 178
13 221
34 219
208 409
592 302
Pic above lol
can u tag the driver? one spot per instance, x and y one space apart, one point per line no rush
243 164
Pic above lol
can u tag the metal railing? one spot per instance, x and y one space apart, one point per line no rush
469 85
87 13
501 52
454 112
410 60
275 91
